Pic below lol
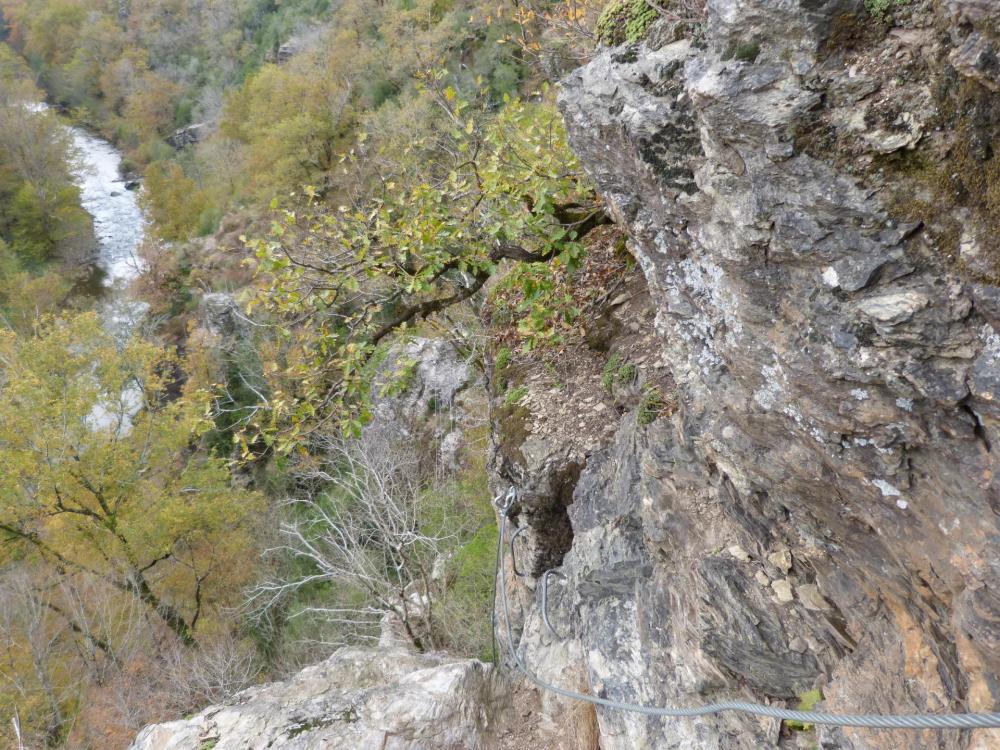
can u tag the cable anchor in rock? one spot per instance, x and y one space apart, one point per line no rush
545 600
513 556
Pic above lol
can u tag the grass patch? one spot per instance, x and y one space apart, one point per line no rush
500 364
651 406
514 395
503 359
807 702
618 371
464 607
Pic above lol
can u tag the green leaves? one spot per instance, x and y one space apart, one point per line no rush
881 9
423 240
98 472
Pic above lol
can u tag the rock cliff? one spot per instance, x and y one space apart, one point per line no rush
811 195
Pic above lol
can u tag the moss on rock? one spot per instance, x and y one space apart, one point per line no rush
958 197
512 422
624 21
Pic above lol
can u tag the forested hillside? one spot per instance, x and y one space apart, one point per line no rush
41 221
274 92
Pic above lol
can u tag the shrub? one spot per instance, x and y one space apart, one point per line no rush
175 202
208 221
880 9
372 530
382 91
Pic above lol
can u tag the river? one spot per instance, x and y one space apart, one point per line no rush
119 226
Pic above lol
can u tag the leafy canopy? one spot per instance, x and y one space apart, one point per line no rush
98 475
503 186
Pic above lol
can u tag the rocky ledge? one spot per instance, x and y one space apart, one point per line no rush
362 699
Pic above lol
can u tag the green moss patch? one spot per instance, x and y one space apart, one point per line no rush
512 423
807 702
881 9
967 180
624 21
742 52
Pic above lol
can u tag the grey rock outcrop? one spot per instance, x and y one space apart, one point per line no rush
418 377
823 277
426 390
812 198
221 315
187 136
360 699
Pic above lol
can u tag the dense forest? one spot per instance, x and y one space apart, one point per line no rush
389 169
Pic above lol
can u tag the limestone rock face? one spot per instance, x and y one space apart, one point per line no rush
359 700
823 280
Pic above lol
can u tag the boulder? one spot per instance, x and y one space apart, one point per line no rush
188 135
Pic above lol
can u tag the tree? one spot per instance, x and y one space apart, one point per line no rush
363 523
291 120
25 297
33 651
40 213
152 104
98 476
173 199
340 281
